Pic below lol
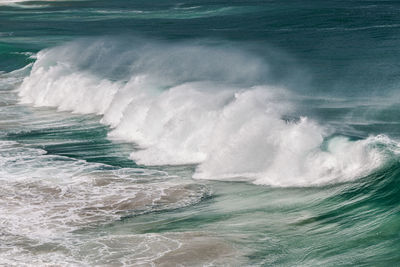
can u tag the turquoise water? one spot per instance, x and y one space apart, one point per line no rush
224 133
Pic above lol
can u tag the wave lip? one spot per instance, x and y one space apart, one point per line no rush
181 105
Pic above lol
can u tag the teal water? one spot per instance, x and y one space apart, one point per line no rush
198 133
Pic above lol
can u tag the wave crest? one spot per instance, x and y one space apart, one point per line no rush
185 104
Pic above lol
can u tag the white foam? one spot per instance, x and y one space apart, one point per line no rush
23 3
66 88
5 2
44 198
195 104
8 2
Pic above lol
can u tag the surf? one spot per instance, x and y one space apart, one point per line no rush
181 104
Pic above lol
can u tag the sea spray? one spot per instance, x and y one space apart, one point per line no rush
196 104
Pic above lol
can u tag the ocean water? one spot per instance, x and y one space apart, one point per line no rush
199 133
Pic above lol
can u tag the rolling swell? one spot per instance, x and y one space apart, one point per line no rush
191 103
366 214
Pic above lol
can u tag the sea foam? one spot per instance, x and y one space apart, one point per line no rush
197 104
23 3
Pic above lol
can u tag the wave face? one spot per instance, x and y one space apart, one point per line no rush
193 103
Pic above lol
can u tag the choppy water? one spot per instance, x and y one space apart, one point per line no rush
224 133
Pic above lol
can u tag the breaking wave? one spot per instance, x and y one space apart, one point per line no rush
199 104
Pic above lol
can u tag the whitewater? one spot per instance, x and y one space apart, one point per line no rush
201 117
145 133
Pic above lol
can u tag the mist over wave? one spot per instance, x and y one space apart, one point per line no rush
191 103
